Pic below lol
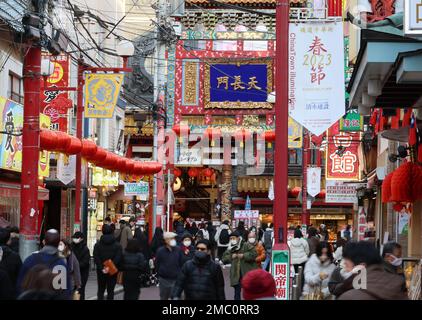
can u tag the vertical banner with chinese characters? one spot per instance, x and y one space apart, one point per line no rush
313 181
56 104
361 223
101 94
280 269
316 74
342 160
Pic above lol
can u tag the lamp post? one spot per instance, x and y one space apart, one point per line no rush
125 49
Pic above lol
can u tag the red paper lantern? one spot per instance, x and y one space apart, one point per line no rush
75 146
193 172
63 141
89 149
181 129
208 172
99 156
121 164
401 183
398 207
130 164
177 172
322 194
386 188
139 169
295 192
110 162
269 135
48 140
417 182
152 167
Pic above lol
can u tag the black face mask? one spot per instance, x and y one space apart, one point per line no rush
201 255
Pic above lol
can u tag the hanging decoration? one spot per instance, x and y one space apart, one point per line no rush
208 172
386 188
269 137
177 172
243 135
181 131
212 134
193 172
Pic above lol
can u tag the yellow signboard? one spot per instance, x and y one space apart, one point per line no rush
44 163
104 178
295 134
101 94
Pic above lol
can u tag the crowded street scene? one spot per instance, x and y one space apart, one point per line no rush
214 150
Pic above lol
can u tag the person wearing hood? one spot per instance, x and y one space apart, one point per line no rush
107 249
201 278
124 233
180 231
10 261
142 238
193 230
299 250
13 242
242 257
318 270
392 258
134 266
377 284
260 250
187 247
313 240
222 237
81 251
258 285
157 241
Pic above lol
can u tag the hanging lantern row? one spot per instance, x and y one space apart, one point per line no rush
58 141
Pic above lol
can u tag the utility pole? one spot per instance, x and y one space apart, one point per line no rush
28 237
281 123
305 163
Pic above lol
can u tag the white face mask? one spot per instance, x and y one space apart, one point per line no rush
61 247
187 243
76 240
173 243
396 261
233 242
252 240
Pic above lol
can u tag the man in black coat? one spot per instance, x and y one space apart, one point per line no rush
81 251
201 278
10 261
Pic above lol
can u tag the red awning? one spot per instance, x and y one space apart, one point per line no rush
13 190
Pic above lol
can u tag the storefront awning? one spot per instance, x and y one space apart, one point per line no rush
13 190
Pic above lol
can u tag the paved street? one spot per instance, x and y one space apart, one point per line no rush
151 293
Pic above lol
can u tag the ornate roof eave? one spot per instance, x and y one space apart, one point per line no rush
242 3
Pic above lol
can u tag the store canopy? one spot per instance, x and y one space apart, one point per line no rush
13 190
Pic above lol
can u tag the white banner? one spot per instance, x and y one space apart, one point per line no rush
339 192
66 166
246 214
313 181
316 74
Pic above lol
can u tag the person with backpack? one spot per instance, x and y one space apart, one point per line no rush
48 257
203 233
124 234
107 248
10 261
268 240
200 278
222 237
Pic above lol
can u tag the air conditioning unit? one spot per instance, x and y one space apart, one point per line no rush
177 8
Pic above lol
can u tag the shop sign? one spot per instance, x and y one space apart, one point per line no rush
56 104
280 270
362 224
403 217
246 214
412 17
342 156
313 181
11 122
353 121
104 178
328 217
92 204
66 168
339 192
238 84
316 68
295 134
102 92
190 157
140 189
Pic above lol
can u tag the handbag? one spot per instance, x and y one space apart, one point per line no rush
112 269
315 295
76 295
120 277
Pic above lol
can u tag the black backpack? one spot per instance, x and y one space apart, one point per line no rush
224 236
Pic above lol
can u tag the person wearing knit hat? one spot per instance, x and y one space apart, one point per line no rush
258 285
187 247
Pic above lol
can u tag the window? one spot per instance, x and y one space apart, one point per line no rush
295 156
15 88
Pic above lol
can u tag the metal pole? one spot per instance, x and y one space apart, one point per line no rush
305 163
281 127
28 237
168 200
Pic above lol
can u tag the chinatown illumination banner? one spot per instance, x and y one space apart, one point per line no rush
342 155
316 74
101 94
313 181
56 104
11 122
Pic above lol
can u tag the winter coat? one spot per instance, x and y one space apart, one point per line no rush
261 255
239 267
188 253
380 285
338 254
143 241
313 244
313 282
81 251
340 282
299 251
7 291
169 262
75 270
200 280
217 235
11 263
123 236
14 244
107 248
203 234
268 238
133 261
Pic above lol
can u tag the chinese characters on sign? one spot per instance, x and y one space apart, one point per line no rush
316 68
313 181
353 121
361 223
342 161
339 192
140 189
281 281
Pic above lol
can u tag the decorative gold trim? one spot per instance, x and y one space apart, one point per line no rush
237 105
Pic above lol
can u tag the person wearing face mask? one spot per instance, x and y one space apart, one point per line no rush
260 250
81 251
242 257
187 247
392 256
65 251
169 261
201 278
318 270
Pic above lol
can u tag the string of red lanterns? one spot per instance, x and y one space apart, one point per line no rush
58 141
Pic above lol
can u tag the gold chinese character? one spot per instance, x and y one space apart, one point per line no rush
418 19
237 84
310 29
302 30
324 29
223 80
316 29
253 84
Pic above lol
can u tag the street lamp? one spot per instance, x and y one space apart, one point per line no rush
125 49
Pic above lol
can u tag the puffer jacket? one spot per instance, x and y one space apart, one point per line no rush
133 262
299 251
313 282
200 280
107 248
261 255
380 285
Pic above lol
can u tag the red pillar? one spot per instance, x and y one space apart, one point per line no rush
30 152
281 123
306 214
